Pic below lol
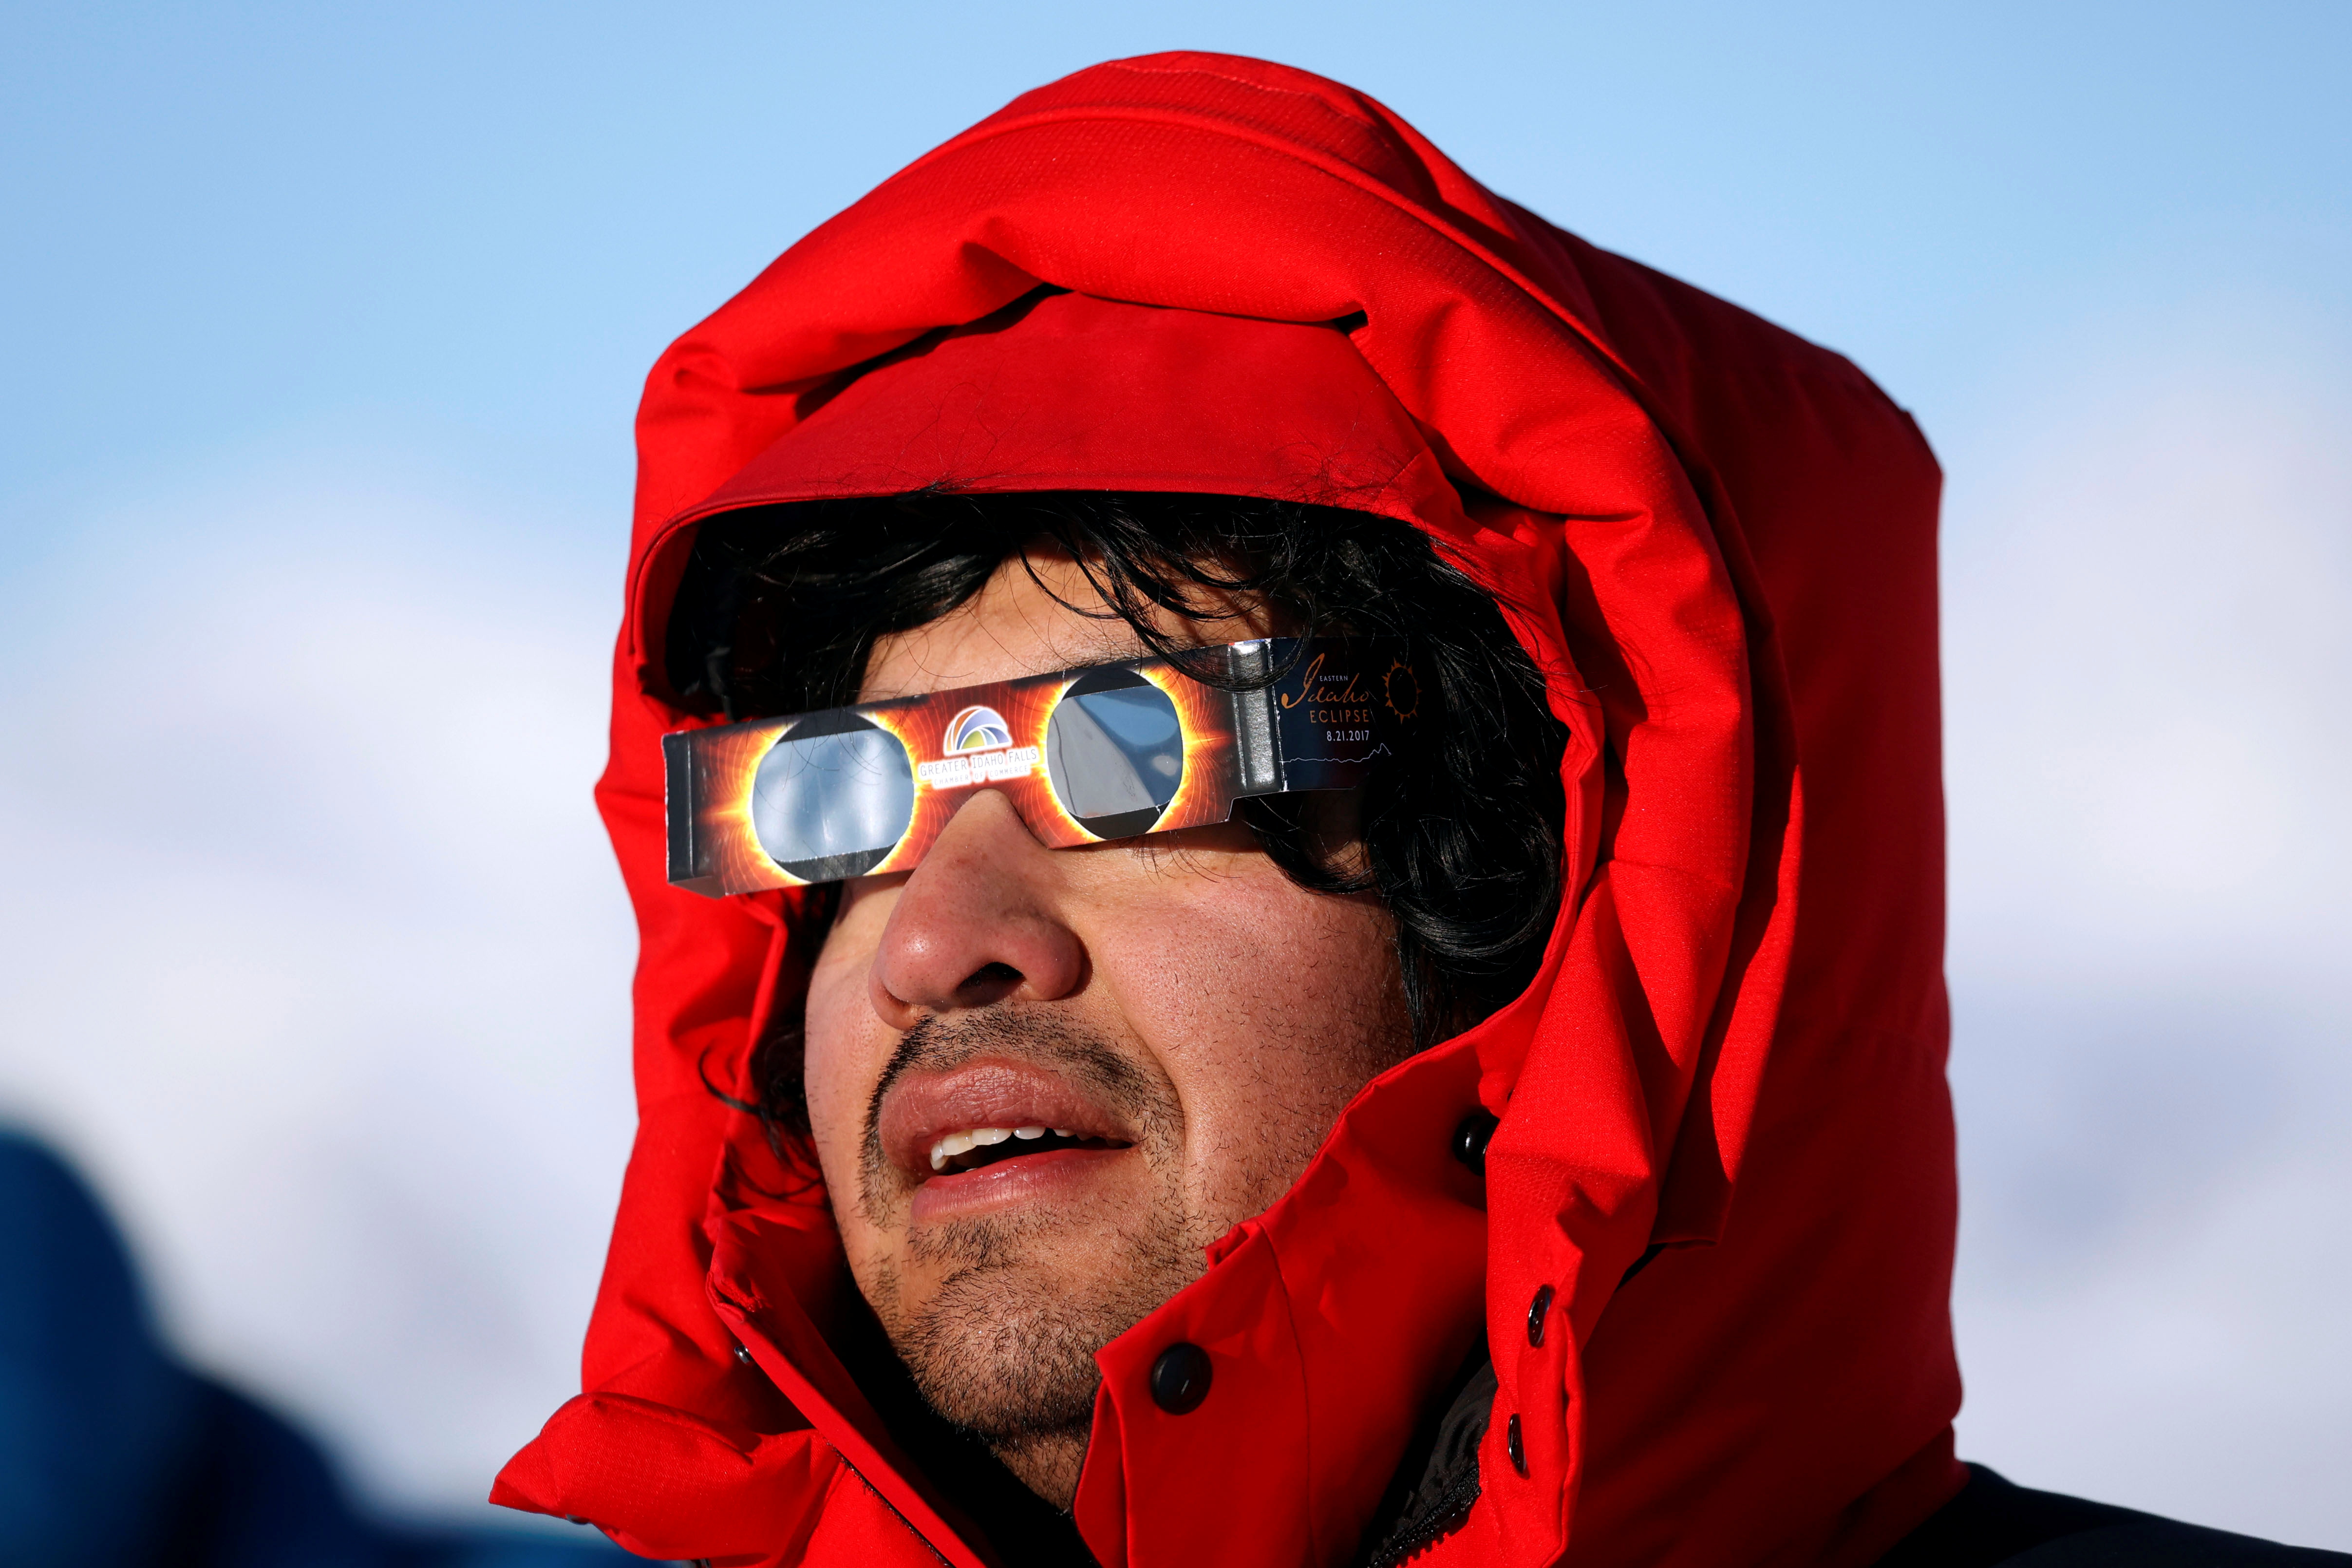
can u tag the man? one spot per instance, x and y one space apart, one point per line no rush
1292 907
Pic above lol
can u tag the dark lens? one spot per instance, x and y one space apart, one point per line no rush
832 798
1115 753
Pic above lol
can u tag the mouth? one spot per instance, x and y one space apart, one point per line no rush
971 1148
1003 1115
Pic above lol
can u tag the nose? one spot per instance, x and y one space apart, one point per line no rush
978 921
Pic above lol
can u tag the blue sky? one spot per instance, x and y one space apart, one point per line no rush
325 328
472 226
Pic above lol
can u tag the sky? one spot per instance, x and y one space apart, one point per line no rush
325 325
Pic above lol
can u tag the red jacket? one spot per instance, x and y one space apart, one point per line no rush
1719 540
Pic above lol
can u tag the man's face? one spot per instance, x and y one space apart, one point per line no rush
1135 1045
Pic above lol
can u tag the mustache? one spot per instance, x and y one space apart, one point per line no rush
938 1044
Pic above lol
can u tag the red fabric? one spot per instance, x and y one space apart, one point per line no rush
1718 543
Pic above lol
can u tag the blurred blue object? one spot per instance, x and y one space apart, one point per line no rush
112 1455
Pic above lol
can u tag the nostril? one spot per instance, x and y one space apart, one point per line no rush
990 977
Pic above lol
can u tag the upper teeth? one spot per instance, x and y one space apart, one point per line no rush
971 1138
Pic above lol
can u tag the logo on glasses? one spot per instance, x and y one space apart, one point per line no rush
977 730
979 750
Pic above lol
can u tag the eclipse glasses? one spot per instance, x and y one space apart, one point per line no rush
1107 752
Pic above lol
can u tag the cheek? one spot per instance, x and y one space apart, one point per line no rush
1268 1005
1263 946
844 1050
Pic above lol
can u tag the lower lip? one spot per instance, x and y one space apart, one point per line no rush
1023 1179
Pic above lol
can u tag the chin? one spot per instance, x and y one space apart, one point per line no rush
1007 1350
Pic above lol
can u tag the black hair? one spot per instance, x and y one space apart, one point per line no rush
779 607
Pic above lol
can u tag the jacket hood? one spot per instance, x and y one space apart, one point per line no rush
1200 272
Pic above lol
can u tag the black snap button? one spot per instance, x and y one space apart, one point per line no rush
744 1354
1180 1378
1538 1311
1518 1450
1470 1139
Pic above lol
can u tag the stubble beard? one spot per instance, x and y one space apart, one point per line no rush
1005 1349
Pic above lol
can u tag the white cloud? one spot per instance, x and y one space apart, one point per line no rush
2149 722
315 955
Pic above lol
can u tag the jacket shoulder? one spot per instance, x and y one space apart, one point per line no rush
1994 1523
